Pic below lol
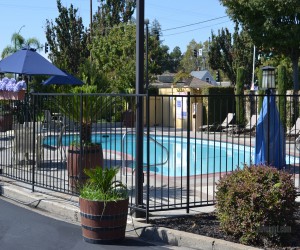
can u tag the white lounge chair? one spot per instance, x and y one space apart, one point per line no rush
250 126
295 130
218 127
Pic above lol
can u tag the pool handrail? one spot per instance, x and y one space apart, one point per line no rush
152 139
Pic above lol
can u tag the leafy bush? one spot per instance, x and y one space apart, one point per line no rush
256 204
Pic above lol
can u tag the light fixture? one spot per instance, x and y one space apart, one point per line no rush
268 77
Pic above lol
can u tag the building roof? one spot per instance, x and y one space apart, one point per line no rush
199 74
202 75
197 83
197 80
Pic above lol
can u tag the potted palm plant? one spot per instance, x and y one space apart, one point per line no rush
83 108
103 203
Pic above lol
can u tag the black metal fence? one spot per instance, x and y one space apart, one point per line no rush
189 141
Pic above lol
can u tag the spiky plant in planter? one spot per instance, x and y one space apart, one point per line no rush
84 108
103 206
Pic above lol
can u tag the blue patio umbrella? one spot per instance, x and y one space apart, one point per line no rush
62 80
28 62
270 137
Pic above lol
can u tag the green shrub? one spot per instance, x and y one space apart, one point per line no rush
256 203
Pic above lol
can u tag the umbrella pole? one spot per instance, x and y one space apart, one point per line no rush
26 99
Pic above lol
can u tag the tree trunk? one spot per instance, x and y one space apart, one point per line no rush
86 133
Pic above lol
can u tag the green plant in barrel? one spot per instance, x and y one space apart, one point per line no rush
103 204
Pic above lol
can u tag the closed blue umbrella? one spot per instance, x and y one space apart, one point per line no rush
270 137
62 80
28 62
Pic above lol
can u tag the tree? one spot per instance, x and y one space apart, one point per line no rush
229 52
271 24
114 55
156 29
67 39
18 42
111 13
189 61
175 58
158 56
90 75
240 99
243 54
282 88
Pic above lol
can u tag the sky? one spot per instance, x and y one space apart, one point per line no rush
181 21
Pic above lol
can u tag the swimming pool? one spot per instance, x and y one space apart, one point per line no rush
168 154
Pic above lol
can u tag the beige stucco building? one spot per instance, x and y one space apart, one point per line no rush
170 108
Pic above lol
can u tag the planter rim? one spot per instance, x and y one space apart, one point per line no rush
122 199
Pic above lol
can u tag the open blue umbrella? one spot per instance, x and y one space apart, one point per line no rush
28 62
270 137
62 80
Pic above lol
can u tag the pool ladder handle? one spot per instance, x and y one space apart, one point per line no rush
297 142
122 155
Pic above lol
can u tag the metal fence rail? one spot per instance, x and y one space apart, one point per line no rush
189 142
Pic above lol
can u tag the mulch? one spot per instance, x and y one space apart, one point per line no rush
207 224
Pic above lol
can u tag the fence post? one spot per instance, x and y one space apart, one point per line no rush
140 7
33 143
148 155
188 150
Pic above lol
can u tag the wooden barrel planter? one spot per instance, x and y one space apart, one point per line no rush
103 221
90 157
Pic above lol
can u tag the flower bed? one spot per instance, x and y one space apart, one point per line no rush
10 89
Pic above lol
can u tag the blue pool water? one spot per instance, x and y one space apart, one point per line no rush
168 155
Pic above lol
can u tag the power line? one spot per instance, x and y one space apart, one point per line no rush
179 27
193 29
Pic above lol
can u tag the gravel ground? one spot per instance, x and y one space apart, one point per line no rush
207 224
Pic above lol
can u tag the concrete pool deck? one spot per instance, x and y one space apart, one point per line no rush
54 173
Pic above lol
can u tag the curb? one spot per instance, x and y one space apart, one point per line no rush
68 210
184 239
57 207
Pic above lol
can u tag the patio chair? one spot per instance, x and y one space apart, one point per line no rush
24 146
50 122
218 127
295 130
250 127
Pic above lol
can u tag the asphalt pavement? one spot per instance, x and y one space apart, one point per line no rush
23 229
38 220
